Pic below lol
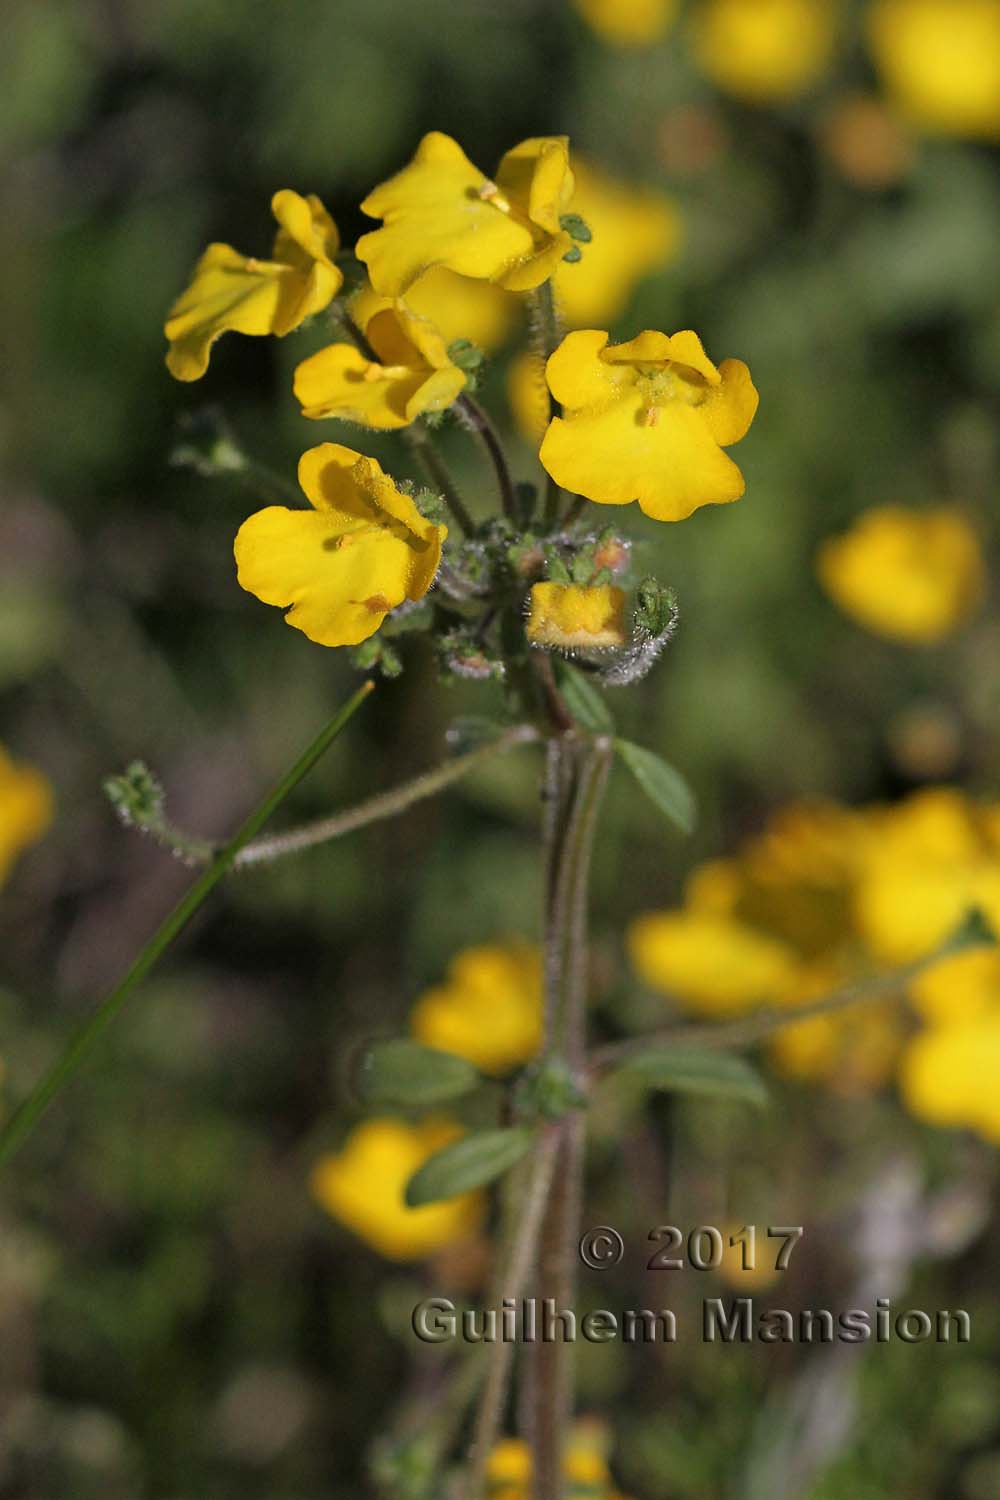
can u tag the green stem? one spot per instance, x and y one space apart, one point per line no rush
511 1282
478 421
763 1023
577 777
547 335
28 1112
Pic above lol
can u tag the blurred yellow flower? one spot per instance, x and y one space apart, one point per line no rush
440 210
940 62
853 1051
342 566
585 1466
913 576
634 230
411 375
765 50
647 421
948 1076
528 395
960 989
570 615
362 1186
237 293
458 306
25 809
628 23
714 964
488 1010
936 856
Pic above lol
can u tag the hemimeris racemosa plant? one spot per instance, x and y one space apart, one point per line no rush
539 595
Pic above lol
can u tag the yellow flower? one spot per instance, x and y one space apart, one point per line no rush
940 62
342 566
489 1009
528 395
362 1186
715 964
238 293
509 1469
25 809
442 211
411 375
935 857
634 230
646 421
912 576
960 989
764 50
854 1051
628 23
569 615
458 306
948 1076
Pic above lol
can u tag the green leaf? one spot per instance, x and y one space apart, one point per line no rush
974 931
677 1071
583 700
405 1072
662 784
469 1163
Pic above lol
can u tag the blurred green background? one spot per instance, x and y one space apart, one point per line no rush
178 1320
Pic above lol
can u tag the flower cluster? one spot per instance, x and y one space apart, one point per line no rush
826 895
938 60
645 421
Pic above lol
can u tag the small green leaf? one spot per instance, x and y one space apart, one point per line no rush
676 1071
583 700
469 1163
405 1072
573 254
975 931
662 784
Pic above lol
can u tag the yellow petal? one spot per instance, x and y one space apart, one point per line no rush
570 615
911 575
628 23
536 179
435 214
488 1010
363 1184
340 568
576 374
730 407
229 292
948 1076
338 586
615 456
413 374
235 293
25 809
764 50
715 963
634 231
940 62
652 348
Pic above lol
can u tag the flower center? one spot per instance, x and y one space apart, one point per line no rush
659 385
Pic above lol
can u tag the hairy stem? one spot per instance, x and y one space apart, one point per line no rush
546 329
197 851
763 1023
473 416
438 473
510 1282
577 776
385 804
27 1114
